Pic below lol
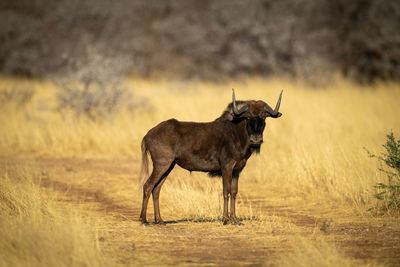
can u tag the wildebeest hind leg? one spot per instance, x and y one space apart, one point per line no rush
156 195
159 169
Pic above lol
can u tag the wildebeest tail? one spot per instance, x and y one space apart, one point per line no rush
144 171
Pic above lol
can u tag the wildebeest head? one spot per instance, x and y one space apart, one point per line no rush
255 113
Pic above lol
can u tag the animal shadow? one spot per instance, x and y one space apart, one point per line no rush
204 220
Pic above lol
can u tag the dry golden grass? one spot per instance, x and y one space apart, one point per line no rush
317 252
312 167
317 146
35 232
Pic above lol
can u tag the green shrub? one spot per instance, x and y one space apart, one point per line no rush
389 192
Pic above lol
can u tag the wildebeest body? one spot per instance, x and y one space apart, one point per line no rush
199 146
220 147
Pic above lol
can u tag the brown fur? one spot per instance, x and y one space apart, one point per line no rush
220 147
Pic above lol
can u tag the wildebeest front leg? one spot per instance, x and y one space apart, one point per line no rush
234 190
226 184
226 190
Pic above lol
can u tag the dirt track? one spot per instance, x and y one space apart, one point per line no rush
100 187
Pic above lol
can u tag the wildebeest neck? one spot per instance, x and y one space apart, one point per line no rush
238 129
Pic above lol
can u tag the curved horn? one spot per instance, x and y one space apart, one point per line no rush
235 110
274 112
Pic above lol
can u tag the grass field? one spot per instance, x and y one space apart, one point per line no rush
69 185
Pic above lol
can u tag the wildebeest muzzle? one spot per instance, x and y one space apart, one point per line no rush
255 129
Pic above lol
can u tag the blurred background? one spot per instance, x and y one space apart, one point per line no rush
82 81
212 40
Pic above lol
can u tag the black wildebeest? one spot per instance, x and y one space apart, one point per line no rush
221 148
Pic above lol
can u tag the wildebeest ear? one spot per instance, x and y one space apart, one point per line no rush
229 113
229 116
241 108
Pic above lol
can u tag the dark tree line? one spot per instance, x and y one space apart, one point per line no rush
203 39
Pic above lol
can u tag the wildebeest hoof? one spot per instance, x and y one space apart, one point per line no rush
143 221
160 223
226 221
